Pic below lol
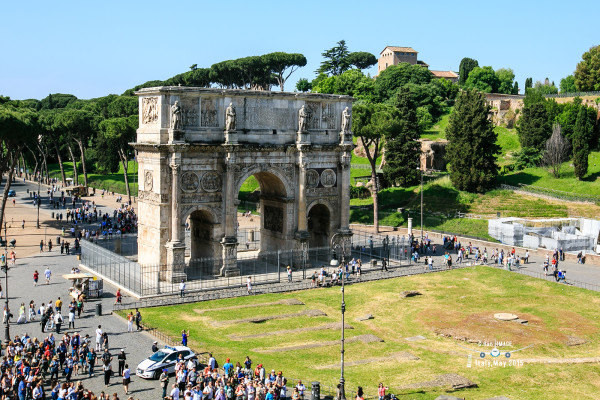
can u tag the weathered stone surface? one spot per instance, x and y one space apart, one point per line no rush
506 316
191 173
365 317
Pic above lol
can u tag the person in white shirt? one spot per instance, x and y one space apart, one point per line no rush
175 392
182 288
126 378
99 338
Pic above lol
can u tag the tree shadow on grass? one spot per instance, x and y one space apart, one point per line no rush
592 177
519 177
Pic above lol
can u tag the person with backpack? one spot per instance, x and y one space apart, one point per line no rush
164 382
58 320
138 319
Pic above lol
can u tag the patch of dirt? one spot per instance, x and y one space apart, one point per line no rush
451 381
483 327
334 326
286 302
354 339
575 341
396 357
258 320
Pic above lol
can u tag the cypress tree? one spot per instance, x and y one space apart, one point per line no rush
466 66
582 135
534 127
402 148
528 83
472 149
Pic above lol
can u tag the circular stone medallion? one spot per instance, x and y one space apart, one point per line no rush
312 178
189 182
211 182
328 178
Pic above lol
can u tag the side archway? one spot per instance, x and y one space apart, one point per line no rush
319 223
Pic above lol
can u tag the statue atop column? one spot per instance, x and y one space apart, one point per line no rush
176 116
302 119
346 119
230 118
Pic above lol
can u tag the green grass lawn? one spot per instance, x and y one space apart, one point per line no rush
439 130
541 177
458 303
113 182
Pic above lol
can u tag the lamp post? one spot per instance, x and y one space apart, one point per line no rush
334 246
5 268
421 171
38 204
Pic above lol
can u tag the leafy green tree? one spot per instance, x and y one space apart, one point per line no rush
544 88
352 83
362 59
483 79
567 84
466 66
534 127
528 84
57 100
402 148
395 76
17 128
506 76
303 85
336 60
371 123
80 125
472 147
587 73
114 136
282 65
582 136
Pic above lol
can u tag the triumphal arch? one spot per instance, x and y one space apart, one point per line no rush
196 147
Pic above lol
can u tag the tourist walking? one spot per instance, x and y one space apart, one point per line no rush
58 320
107 368
289 273
130 318
138 319
182 288
36 276
121 358
47 275
249 285
126 378
164 382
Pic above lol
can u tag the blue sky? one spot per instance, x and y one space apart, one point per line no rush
91 49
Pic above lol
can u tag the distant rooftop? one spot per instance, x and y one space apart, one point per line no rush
444 74
396 48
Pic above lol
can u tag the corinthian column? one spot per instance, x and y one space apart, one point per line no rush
302 220
175 223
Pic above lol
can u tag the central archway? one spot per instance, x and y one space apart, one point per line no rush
274 209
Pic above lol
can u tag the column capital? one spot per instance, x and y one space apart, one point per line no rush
175 168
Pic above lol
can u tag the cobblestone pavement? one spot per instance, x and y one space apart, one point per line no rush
137 345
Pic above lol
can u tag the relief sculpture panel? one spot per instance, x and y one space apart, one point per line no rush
208 114
149 110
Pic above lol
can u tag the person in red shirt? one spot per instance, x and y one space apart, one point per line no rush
36 276
381 391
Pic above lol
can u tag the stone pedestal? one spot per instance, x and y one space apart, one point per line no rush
345 138
231 137
176 136
229 267
176 261
302 137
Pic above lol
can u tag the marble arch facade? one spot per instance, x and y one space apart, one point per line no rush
195 147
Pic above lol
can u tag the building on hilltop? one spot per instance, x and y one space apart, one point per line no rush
450 75
394 55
